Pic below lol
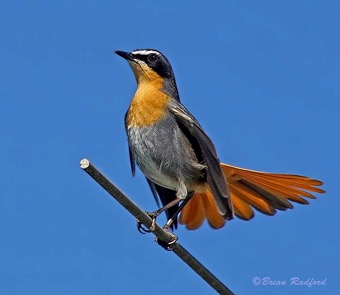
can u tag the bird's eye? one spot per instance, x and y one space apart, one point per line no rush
152 58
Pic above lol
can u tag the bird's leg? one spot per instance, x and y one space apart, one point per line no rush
169 245
180 208
154 215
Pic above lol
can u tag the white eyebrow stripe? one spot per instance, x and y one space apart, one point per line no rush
145 52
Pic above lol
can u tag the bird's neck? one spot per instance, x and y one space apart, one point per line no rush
170 88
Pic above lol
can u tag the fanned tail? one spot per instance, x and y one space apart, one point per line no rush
249 189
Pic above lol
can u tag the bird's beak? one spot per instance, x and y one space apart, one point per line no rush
123 54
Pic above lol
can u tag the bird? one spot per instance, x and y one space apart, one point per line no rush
180 161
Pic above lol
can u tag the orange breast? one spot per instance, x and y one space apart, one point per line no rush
148 105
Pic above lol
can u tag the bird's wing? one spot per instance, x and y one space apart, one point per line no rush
205 152
152 186
132 160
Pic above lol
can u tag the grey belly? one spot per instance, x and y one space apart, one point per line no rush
164 155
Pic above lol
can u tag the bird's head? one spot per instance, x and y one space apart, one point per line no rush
151 66
148 64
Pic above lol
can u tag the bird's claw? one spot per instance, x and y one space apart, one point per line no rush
168 245
143 229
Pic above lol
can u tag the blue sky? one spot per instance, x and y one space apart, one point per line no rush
262 77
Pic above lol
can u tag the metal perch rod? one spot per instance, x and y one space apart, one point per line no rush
161 234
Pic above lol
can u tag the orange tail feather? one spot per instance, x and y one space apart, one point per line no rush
201 206
193 213
266 192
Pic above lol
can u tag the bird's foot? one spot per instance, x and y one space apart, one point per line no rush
168 245
141 227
